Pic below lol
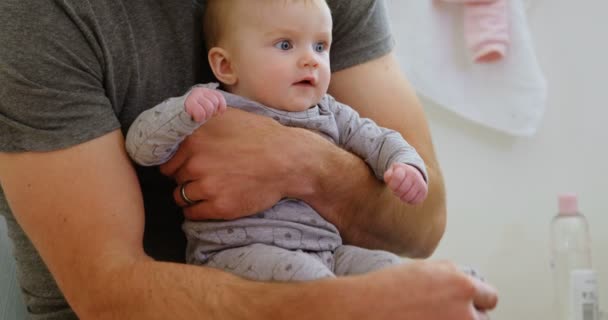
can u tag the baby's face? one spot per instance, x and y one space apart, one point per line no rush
280 52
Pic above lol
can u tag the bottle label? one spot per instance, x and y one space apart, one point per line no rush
583 295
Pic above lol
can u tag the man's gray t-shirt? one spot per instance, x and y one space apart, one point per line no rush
74 70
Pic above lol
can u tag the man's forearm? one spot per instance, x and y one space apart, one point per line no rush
169 291
378 219
158 290
365 211
89 229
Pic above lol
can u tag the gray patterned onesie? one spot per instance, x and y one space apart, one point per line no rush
290 241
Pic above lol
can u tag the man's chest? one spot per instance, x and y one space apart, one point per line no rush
152 51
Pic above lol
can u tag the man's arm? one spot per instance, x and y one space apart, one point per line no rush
373 215
82 209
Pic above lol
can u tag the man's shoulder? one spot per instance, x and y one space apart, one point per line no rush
79 12
48 11
339 7
27 20
361 32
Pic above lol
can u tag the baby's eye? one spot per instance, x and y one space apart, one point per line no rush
283 45
320 47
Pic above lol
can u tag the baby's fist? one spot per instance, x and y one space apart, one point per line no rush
202 103
406 182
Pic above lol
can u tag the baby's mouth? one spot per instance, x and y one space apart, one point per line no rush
309 82
304 83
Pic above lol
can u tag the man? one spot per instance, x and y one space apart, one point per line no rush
74 73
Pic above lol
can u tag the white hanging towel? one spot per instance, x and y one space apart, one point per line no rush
508 95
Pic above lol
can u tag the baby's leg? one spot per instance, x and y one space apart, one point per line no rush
268 263
350 260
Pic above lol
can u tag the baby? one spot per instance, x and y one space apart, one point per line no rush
272 58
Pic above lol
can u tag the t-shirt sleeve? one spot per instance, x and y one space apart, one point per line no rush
52 92
361 32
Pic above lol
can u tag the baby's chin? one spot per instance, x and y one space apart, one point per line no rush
295 105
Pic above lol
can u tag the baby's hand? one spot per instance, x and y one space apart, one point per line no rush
406 182
202 104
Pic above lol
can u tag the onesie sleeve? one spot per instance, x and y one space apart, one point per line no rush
156 133
379 147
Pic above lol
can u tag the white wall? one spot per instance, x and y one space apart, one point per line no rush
502 190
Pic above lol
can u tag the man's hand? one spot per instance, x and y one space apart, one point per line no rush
203 103
406 182
425 290
419 290
236 165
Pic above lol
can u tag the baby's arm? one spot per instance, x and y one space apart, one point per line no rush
390 157
156 134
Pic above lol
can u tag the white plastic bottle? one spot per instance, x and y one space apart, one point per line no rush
575 283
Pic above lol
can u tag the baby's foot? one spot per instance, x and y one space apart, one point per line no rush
202 104
406 182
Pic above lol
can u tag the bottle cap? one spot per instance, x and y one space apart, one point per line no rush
568 203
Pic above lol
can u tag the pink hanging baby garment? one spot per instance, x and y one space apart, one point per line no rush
486 27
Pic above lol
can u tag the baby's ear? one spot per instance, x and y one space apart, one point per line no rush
221 65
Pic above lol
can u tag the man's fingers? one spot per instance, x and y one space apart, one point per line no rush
205 210
170 167
191 170
482 315
198 211
486 297
475 314
191 192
